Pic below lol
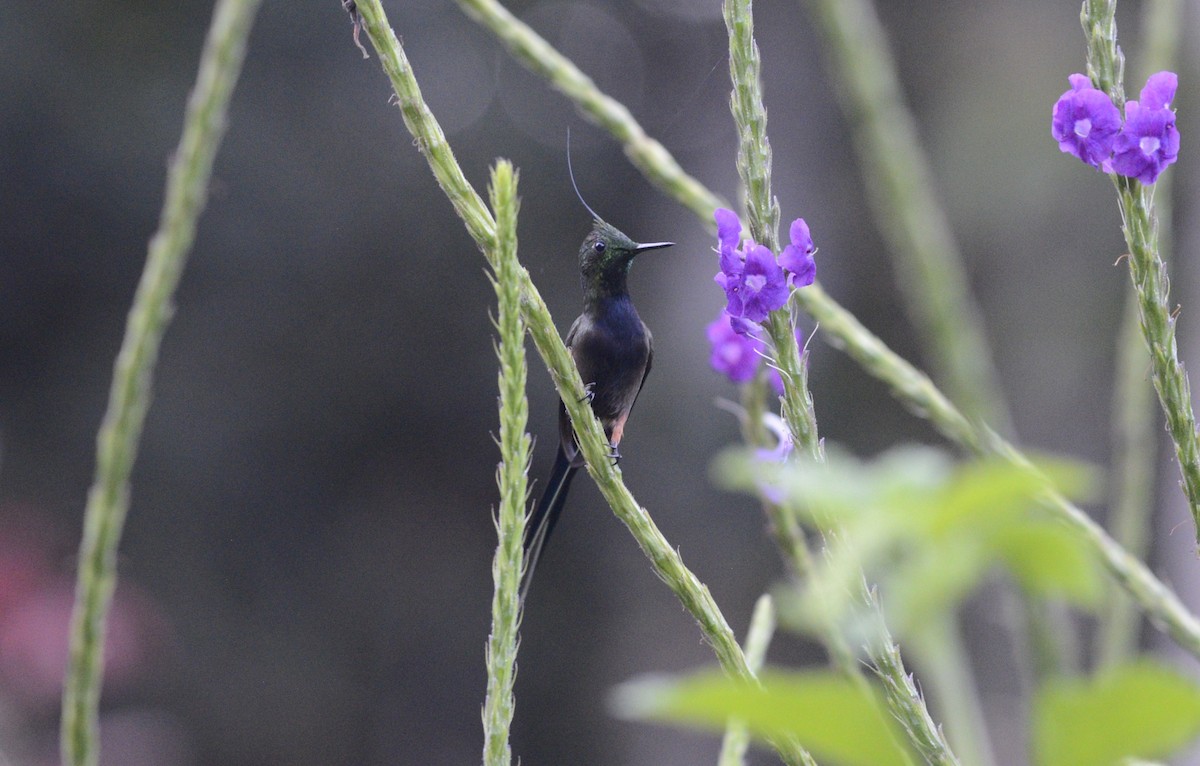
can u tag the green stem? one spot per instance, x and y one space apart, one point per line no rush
1146 268
901 695
1135 447
1158 330
129 397
758 638
1051 641
512 475
928 263
426 131
942 655
754 167
667 562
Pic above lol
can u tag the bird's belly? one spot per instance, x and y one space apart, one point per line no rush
614 370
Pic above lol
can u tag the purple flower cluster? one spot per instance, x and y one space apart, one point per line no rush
755 284
1088 125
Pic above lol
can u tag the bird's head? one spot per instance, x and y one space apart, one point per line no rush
606 255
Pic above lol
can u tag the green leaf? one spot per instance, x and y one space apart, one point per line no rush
992 490
1138 710
1047 559
828 714
933 582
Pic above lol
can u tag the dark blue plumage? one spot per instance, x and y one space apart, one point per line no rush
612 348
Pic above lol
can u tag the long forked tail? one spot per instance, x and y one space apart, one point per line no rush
545 516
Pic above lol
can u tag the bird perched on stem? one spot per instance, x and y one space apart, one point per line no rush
612 348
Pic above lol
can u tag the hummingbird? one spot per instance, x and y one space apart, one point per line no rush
612 348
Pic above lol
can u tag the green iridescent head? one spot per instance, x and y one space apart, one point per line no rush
606 255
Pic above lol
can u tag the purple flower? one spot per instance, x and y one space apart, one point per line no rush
779 454
1159 90
729 229
734 354
797 258
1085 122
754 283
763 286
737 347
783 440
1149 141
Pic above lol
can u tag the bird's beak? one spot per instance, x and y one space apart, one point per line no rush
651 246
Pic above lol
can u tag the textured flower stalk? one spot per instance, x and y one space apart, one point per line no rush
1158 328
129 397
668 564
928 262
903 698
762 627
1135 447
1146 268
754 167
512 475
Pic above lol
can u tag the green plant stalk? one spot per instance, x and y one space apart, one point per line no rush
1135 447
1158 329
1051 639
901 695
512 475
427 133
762 212
129 397
941 653
647 154
1134 451
927 260
667 563
746 103
754 167
762 627
1146 268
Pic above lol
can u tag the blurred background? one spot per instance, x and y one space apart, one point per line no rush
305 573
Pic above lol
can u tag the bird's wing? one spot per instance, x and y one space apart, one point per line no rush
566 435
646 372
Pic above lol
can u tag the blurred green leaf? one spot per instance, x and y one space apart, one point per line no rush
1139 710
828 714
1048 560
994 490
933 581
926 530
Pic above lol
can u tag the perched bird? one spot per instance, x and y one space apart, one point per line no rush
612 349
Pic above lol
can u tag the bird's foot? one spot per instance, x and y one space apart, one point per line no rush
589 392
614 454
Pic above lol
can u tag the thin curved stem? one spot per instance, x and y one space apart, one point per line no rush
129 397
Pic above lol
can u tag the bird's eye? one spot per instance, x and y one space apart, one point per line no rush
599 246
